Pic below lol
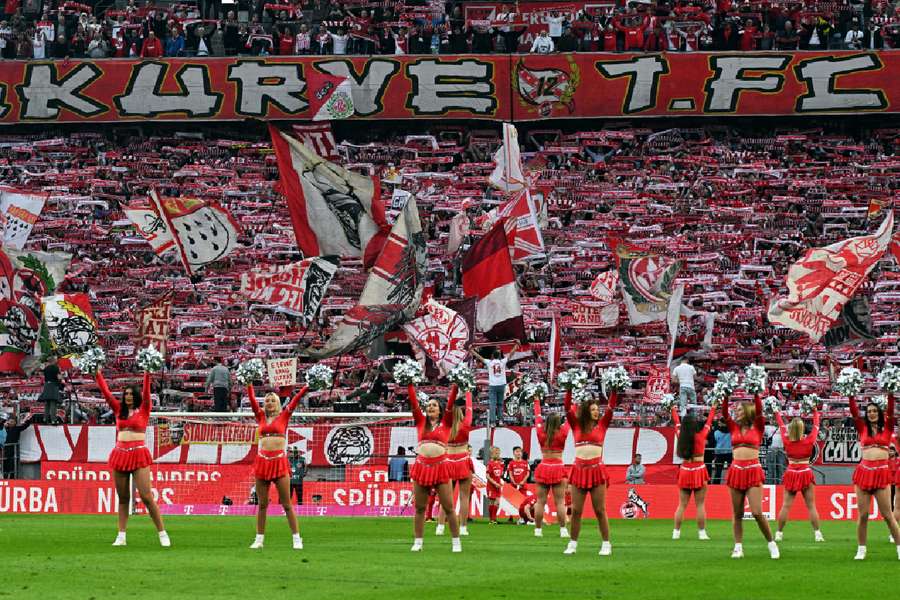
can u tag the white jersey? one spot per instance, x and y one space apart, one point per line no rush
496 369
685 374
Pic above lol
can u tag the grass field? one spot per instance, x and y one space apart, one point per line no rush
52 557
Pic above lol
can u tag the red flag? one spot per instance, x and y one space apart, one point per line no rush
523 234
895 247
487 273
153 323
555 349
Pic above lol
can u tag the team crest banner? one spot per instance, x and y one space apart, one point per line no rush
19 211
646 280
71 325
441 334
296 289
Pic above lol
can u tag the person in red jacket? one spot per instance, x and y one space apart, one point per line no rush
749 35
285 41
152 47
518 471
609 39
633 31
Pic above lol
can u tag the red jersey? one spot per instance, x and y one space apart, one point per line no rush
878 440
609 41
700 436
558 443
137 420
152 48
748 39
596 435
464 428
441 433
286 45
518 472
752 438
530 500
495 472
278 425
803 448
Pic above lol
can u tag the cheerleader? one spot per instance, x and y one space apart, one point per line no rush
131 457
692 474
551 475
799 476
588 475
459 463
431 469
873 476
745 475
271 464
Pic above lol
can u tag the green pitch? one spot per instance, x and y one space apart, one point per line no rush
55 557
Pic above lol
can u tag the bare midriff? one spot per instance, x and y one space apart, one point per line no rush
431 449
130 435
588 451
272 442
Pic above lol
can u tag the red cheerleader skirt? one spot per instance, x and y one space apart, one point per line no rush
871 475
130 456
586 474
745 474
551 471
430 471
271 465
459 466
692 476
797 478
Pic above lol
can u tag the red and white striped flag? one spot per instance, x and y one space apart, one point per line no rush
523 233
487 274
555 349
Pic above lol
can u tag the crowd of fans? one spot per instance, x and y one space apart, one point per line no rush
97 29
737 205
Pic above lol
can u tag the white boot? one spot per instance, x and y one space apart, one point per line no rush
439 530
456 545
538 532
779 536
702 535
774 553
860 553
257 542
563 532
819 537
605 549
463 530
898 552
297 541
571 548
120 539
417 545
676 534
738 551
164 540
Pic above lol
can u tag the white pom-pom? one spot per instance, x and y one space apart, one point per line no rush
810 402
881 401
668 401
463 377
771 405
849 382
90 361
572 379
535 389
250 371
755 379
615 379
579 395
889 379
717 394
319 377
408 372
150 359
728 381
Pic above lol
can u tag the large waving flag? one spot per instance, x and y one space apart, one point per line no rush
441 334
152 227
72 325
825 279
333 211
488 274
523 233
296 289
507 175
392 292
19 211
646 279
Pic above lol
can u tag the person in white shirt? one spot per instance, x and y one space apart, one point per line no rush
339 41
39 44
685 374
496 368
555 24
854 37
542 44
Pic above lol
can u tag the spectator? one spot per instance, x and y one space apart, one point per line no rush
174 43
568 42
634 474
97 47
749 36
303 41
339 41
775 457
787 38
230 36
203 39
542 44
398 465
51 392
727 38
482 40
61 47
685 375
286 41
496 368
766 38
39 44
723 452
854 38
873 40
554 23
419 43
218 381
11 446
152 48
656 41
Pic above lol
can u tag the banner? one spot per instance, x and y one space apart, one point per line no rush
297 288
282 372
494 87
646 280
19 211
441 334
71 324
153 324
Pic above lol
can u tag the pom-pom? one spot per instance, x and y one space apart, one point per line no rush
849 382
408 372
580 395
250 371
755 379
668 401
810 402
572 379
90 361
319 377
463 377
881 401
615 379
771 405
535 389
150 359
889 379
728 382
717 394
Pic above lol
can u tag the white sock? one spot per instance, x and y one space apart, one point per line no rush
296 536
260 538
701 532
162 533
418 541
121 534
739 547
455 541
573 543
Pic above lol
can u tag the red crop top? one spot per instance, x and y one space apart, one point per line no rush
879 440
465 428
700 436
441 433
137 420
596 435
803 448
278 425
558 443
751 438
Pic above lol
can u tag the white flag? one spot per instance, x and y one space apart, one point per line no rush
19 211
507 175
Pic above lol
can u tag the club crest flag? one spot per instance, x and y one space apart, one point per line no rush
825 279
603 289
296 289
153 324
71 325
334 211
203 231
658 382
523 233
152 227
330 97
441 334
19 211
646 279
